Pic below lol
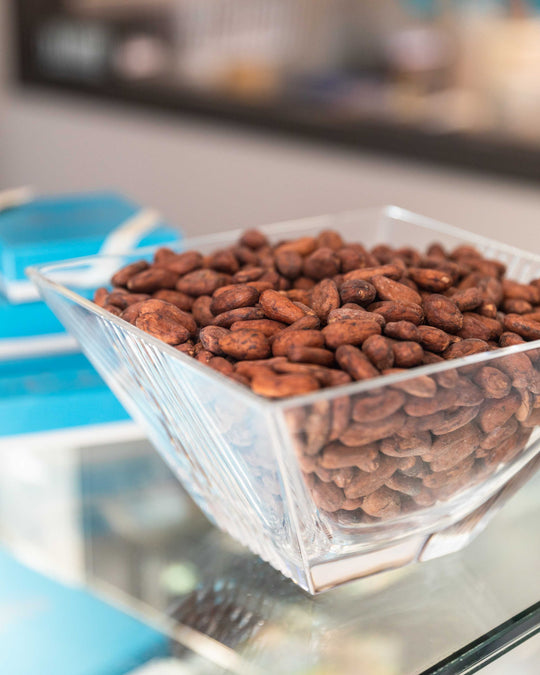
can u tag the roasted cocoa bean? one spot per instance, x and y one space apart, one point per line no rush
355 363
443 313
392 310
183 263
226 319
325 298
493 382
527 328
377 405
265 326
151 280
246 345
163 321
241 295
433 280
279 308
407 354
271 385
403 330
351 332
379 351
335 455
358 291
201 282
433 339
387 289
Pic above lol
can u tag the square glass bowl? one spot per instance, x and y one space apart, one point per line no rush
344 482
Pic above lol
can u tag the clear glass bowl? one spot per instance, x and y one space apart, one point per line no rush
424 459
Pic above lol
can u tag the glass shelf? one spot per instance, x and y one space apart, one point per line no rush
219 601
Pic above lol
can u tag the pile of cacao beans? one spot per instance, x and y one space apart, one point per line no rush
300 315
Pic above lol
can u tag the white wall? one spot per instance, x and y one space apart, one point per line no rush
207 177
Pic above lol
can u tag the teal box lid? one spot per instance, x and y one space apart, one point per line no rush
49 628
54 392
26 320
30 328
49 229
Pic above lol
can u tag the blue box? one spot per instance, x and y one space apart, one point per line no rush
50 229
48 628
54 392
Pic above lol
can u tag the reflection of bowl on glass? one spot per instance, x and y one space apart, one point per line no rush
268 472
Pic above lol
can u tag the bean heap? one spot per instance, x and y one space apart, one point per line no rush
316 312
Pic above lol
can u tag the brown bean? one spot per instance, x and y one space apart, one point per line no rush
266 326
183 263
241 295
302 354
358 291
434 339
253 239
352 332
289 264
355 312
387 289
181 300
495 412
382 503
325 298
337 456
480 327
392 271
201 282
407 354
355 363
271 385
151 280
528 329
284 340
364 483
210 337
379 351
377 405
246 345
367 432
201 310
443 313
402 330
161 320
279 308
123 275
433 280
468 299
465 347
223 261
322 263
392 310
493 382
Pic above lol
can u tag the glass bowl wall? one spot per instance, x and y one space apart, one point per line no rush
429 455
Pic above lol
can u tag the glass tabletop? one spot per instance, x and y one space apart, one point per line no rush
217 600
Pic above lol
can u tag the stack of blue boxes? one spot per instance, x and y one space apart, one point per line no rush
49 392
44 382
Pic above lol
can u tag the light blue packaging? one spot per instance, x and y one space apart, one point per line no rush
25 320
50 229
54 392
48 628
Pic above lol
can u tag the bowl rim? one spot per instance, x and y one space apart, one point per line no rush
39 275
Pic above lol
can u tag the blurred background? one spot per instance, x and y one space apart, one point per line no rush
454 83
221 114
